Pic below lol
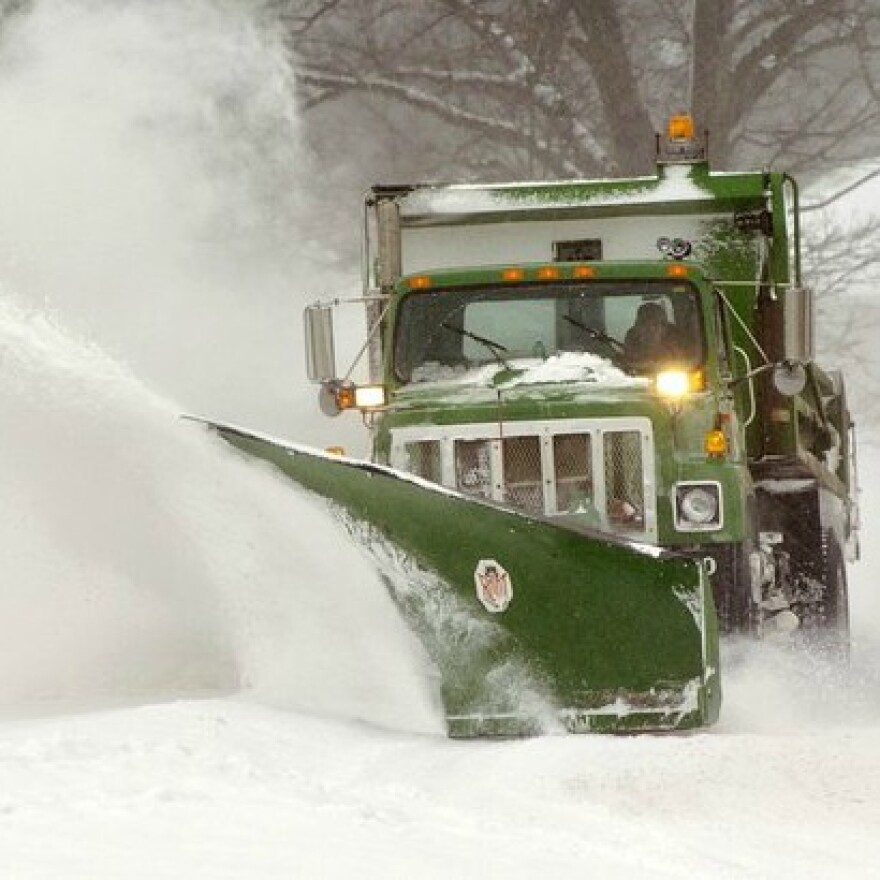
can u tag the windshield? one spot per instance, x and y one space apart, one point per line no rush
636 325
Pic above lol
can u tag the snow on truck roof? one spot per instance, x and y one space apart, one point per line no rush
674 184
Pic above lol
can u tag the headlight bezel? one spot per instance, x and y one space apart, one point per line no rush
685 495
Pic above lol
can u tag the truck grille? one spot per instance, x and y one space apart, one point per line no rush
523 481
599 470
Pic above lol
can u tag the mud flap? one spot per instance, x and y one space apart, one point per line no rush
533 625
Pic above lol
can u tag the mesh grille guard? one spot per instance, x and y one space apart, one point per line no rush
599 471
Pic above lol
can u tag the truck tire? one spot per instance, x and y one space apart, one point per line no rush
731 585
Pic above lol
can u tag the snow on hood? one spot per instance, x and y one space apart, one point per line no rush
567 366
574 366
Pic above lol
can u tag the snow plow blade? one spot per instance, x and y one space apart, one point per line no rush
534 626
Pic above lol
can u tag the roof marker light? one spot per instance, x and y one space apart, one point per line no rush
512 274
583 272
419 282
548 273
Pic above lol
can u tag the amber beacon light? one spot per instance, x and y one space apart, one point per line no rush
680 128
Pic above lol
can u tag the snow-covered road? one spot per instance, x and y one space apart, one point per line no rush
229 789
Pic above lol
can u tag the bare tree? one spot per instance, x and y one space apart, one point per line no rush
841 262
577 87
791 82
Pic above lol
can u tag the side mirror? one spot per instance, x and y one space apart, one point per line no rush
789 378
320 350
799 332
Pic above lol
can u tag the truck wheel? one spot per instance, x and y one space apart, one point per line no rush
731 585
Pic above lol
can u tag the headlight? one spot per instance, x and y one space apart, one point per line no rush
698 507
672 384
369 396
337 395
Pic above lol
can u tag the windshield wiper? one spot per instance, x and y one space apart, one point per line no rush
617 355
593 333
494 347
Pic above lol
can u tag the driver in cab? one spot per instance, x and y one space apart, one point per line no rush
651 339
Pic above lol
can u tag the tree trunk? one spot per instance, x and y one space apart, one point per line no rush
628 121
710 76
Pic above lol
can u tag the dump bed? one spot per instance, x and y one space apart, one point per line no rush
420 228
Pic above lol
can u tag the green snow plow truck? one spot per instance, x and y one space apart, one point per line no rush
599 437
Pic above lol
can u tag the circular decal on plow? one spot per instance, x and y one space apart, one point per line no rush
494 589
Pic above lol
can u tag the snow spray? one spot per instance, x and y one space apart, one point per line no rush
144 559
152 173
151 205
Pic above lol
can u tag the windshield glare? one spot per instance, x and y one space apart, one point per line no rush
638 326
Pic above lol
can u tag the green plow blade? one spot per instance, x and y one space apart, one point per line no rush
533 625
